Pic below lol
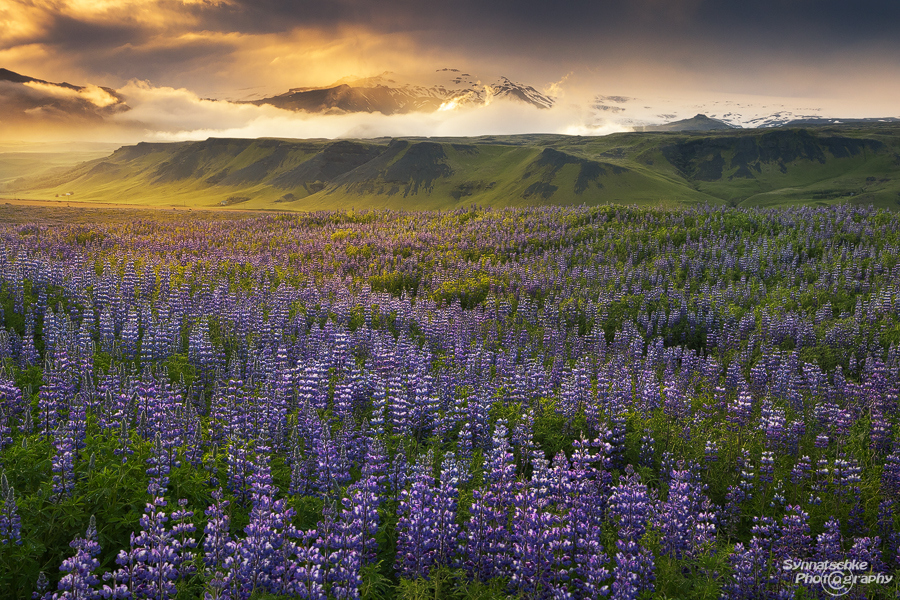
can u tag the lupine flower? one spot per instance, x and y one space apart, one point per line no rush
634 571
794 539
288 327
447 531
10 521
79 581
647 450
890 476
748 564
829 542
217 541
362 511
148 569
181 529
541 551
63 464
416 528
685 519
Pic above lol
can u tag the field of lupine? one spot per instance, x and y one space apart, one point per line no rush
539 403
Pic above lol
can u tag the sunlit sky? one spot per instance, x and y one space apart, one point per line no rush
674 57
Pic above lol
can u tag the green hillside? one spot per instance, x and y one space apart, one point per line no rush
22 159
737 167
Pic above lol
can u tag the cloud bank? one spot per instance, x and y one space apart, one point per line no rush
163 114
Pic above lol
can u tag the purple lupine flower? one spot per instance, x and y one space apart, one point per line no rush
159 468
867 549
239 466
829 542
487 538
80 582
5 427
801 471
217 541
257 562
748 579
794 540
890 475
684 524
416 529
306 577
887 531
541 550
630 507
586 502
740 493
54 394
181 529
447 530
464 451
332 461
634 571
340 541
40 586
711 453
773 424
63 464
881 431
375 465
522 438
752 565
148 569
645 457
30 355
766 467
10 521
486 549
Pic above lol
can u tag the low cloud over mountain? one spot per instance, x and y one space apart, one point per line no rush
438 102
27 102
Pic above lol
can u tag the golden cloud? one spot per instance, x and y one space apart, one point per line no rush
90 93
20 22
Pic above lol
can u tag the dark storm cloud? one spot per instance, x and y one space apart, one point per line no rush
593 21
74 35
789 21
568 31
156 63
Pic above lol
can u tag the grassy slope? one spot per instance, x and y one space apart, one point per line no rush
491 170
15 164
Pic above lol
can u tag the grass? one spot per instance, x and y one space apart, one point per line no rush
490 170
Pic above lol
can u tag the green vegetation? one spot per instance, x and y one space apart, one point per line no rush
756 167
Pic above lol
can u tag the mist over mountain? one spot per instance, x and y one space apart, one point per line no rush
438 102
25 99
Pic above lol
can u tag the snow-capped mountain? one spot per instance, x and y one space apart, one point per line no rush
390 93
665 114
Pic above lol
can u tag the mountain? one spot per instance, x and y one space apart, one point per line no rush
825 121
25 101
791 119
390 94
697 123
738 167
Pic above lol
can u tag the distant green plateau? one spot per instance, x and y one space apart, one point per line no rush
751 167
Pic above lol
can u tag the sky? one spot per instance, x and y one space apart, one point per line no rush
673 57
